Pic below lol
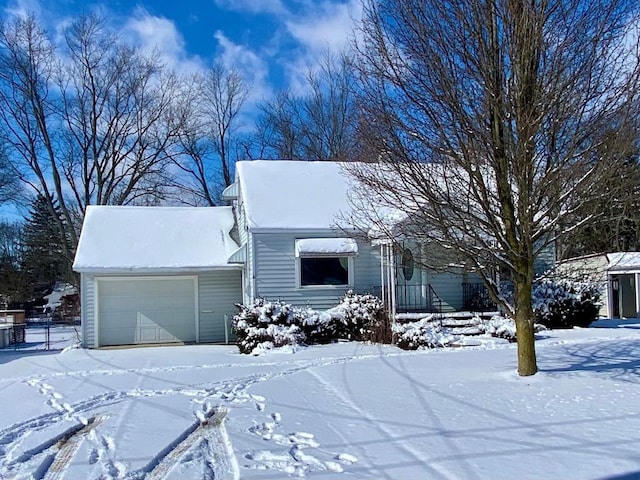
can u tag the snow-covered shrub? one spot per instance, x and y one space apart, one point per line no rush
362 318
265 325
273 323
565 303
503 327
425 333
498 326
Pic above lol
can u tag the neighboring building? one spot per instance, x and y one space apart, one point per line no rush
619 277
158 274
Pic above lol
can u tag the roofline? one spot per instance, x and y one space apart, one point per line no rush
299 230
158 270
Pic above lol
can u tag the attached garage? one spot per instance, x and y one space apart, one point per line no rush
157 275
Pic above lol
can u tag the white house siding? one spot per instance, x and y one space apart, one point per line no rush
88 299
218 292
275 270
448 286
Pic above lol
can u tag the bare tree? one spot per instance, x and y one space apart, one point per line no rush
10 187
86 122
318 124
485 118
115 105
212 104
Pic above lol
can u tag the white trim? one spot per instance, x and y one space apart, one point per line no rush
166 271
96 309
97 280
239 256
196 307
231 192
301 231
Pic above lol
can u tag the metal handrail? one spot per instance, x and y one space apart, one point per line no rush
432 294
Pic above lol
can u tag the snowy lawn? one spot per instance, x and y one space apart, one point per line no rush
346 410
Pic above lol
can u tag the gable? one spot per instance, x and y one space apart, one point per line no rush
279 195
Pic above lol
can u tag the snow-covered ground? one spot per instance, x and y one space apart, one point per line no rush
346 410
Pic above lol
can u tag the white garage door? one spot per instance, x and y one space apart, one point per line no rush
146 310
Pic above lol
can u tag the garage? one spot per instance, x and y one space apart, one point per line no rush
146 310
153 275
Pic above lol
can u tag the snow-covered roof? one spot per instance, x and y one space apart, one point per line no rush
326 246
293 194
624 261
117 238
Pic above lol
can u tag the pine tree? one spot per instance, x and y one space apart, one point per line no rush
44 261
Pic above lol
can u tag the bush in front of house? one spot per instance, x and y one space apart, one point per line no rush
565 303
421 334
266 324
362 318
271 324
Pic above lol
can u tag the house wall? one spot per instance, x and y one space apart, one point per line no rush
275 270
545 259
446 285
218 292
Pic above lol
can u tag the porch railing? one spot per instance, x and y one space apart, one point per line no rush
475 298
415 298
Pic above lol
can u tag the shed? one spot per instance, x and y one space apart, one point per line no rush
157 275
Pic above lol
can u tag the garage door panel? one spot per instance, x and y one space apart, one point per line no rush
146 311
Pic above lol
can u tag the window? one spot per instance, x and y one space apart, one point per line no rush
407 264
324 271
325 261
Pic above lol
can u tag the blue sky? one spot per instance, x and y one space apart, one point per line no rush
272 42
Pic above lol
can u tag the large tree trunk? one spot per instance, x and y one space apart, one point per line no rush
527 364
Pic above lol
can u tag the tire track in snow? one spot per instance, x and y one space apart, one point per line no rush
102 444
209 432
57 452
67 449
228 390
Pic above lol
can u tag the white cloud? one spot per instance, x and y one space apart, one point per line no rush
275 7
153 33
249 64
329 26
23 8
326 27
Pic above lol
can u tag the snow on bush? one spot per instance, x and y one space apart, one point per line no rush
565 303
498 326
266 325
425 333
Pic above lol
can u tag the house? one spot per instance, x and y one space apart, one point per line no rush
618 275
162 274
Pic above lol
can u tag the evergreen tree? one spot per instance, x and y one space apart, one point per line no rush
44 261
12 282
